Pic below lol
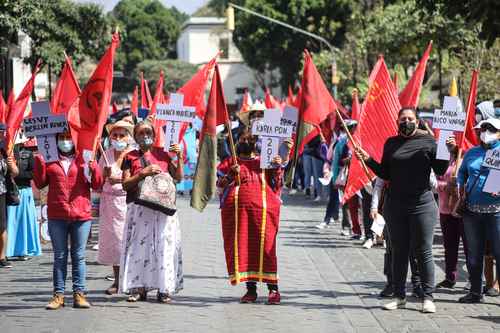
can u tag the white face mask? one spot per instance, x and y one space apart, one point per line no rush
488 137
119 145
65 146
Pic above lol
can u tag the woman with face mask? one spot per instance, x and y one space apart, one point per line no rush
70 181
482 214
151 256
250 202
113 207
410 210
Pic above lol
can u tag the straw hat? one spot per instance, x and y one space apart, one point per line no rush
121 124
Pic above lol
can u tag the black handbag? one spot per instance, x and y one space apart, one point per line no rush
12 194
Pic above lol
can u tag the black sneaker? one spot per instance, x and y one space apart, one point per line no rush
387 292
491 292
446 284
5 264
471 298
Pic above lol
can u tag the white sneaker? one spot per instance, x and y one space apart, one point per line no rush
467 286
368 243
397 303
95 247
322 225
317 199
292 191
345 233
428 306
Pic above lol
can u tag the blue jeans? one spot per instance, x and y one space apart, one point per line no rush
78 231
332 209
477 229
313 167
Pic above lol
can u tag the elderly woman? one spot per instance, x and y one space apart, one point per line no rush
151 256
113 207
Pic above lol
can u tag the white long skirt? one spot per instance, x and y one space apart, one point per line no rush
152 253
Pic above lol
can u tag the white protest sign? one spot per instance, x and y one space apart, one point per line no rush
378 225
262 128
442 150
492 159
290 116
492 183
42 122
269 149
47 146
174 113
451 117
45 126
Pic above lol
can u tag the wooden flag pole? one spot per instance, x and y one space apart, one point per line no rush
233 149
103 154
354 144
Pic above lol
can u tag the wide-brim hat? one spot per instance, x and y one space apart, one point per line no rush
121 124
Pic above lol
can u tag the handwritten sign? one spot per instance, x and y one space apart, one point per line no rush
492 183
45 126
451 117
42 122
174 113
492 159
262 128
290 117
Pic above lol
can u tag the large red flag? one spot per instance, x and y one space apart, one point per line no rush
377 122
158 123
410 95
134 105
3 108
468 138
95 100
194 92
18 108
146 100
67 90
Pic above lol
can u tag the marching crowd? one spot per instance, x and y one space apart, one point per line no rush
141 240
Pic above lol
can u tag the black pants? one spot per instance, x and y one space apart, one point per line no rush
366 203
3 214
252 286
332 209
411 228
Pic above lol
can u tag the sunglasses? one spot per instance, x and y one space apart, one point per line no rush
488 127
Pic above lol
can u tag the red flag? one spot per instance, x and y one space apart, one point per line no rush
411 93
194 92
468 138
3 108
18 107
134 105
67 90
218 101
270 101
290 98
246 103
355 107
315 106
146 100
95 100
377 122
158 124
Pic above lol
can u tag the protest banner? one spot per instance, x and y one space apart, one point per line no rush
174 113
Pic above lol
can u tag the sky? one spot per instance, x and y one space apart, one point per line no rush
186 6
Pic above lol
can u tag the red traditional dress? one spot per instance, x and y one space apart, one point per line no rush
250 218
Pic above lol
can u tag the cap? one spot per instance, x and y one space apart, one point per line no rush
492 121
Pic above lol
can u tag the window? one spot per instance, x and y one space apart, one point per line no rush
224 47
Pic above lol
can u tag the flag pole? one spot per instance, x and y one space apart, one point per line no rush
354 144
103 154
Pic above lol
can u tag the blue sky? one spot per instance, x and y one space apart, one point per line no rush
187 6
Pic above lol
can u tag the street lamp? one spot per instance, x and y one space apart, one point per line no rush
230 26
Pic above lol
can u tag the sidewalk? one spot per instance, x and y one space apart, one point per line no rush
328 284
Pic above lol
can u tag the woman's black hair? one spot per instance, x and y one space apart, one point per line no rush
122 114
144 123
408 109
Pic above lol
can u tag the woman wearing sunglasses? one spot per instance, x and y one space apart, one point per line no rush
482 213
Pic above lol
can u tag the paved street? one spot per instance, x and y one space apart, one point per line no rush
328 284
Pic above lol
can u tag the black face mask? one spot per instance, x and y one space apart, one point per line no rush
407 128
245 148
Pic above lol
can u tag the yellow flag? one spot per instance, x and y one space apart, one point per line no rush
453 88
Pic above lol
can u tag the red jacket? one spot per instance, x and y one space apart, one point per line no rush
69 195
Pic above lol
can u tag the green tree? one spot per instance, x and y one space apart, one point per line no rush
149 31
176 72
263 44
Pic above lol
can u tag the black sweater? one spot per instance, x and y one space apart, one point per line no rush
406 164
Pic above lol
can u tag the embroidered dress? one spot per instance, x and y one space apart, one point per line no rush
112 214
250 220
152 253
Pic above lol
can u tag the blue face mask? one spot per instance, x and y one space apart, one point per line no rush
497 112
146 141
119 145
65 146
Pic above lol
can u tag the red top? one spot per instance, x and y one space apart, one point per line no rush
132 160
69 195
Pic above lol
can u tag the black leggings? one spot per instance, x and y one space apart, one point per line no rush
252 286
411 227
